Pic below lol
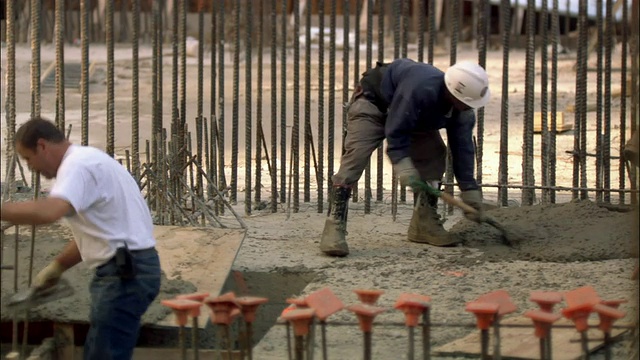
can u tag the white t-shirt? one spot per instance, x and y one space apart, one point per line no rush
109 208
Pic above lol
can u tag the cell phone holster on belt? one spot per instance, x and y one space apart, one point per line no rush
125 263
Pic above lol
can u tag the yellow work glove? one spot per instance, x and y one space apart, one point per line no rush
48 276
406 172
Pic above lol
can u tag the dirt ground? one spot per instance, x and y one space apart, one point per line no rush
565 246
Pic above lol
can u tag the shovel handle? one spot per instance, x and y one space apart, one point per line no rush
459 203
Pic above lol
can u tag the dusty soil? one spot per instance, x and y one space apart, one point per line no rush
566 246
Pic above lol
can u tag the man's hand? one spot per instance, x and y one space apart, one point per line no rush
48 276
473 198
407 173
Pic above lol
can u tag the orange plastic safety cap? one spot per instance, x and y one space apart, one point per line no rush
300 318
249 306
412 305
365 313
485 313
608 315
542 320
368 296
324 302
546 300
182 309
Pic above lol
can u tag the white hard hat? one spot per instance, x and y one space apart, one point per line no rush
468 82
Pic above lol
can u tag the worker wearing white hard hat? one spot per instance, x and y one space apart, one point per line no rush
407 103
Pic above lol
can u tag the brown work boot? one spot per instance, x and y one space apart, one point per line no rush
426 226
333 242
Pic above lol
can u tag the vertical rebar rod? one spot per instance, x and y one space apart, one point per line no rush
599 136
274 110
154 97
233 193
405 26
213 124
380 151
175 84
544 79
307 104
248 106
584 34
321 156
332 93
60 27
369 65
426 334
10 104
483 38
555 38
220 103
109 29
367 345
411 347
356 74
606 143
36 33
396 54
528 195
454 16
295 130
135 92
200 100
623 97
84 76
182 115
260 130
503 171
635 89
283 102
421 28
432 31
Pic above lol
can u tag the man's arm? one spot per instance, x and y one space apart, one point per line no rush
37 212
69 256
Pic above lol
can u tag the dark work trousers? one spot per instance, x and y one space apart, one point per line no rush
365 132
117 306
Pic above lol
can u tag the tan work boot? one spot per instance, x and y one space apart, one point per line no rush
426 226
333 242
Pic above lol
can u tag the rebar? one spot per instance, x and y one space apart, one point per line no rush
405 27
248 107
483 38
109 29
135 92
10 104
582 77
544 78
295 130
274 110
623 96
355 194
555 38
606 142
182 53
220 139
260 131
369 65
84 76
432 31
503 171
233 194
380 151
422 11
528 195
36 34
307 104
332 94
200 115
60 27
283 102
212 156
599 44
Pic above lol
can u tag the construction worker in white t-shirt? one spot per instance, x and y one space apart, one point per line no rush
112 228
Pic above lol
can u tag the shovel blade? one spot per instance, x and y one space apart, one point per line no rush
33 297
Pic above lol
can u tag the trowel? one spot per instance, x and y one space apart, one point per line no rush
34 297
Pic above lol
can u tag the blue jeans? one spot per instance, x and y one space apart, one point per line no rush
117 306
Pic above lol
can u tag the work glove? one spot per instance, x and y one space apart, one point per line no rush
473 198
406 172
48 276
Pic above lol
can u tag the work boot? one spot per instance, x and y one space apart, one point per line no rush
426 225
333 241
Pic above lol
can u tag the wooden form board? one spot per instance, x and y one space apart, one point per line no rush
201 256
521 344
560 124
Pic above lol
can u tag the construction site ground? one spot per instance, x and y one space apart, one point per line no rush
568 245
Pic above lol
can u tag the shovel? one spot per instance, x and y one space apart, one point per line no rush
508 237
34 296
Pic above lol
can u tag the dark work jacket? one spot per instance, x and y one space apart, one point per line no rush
415 96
